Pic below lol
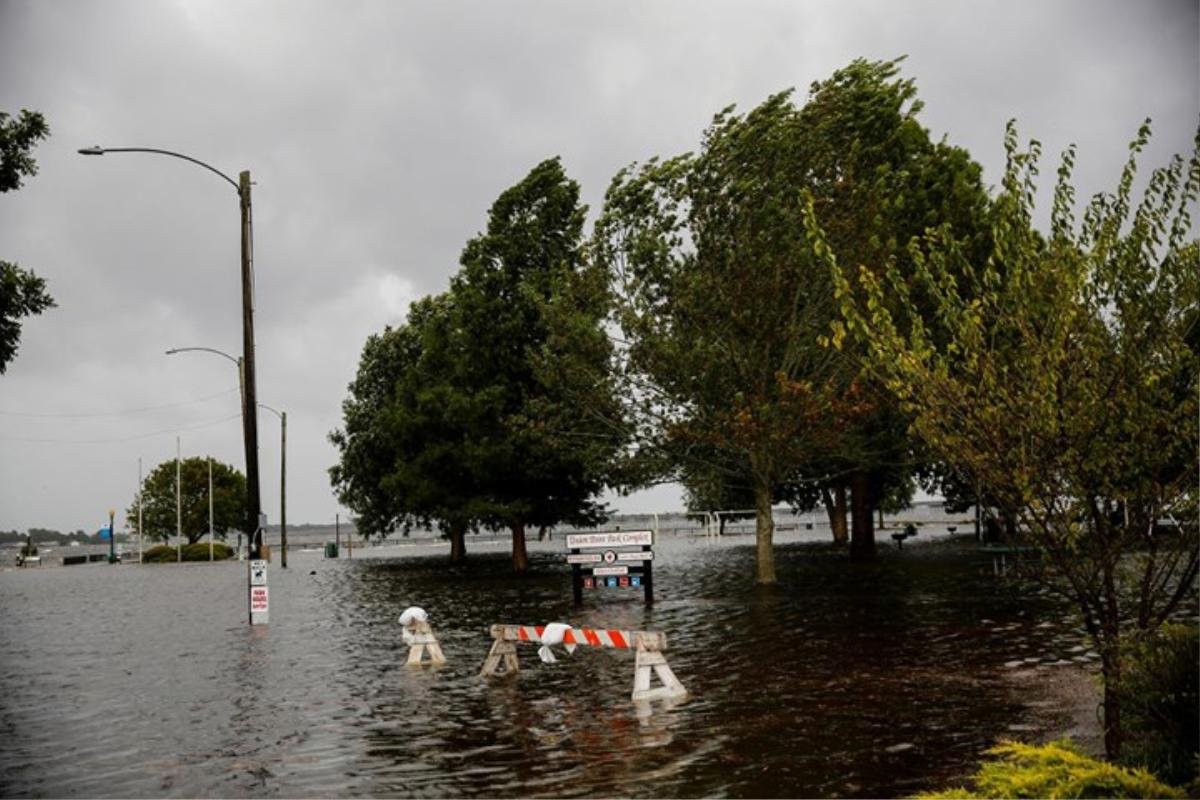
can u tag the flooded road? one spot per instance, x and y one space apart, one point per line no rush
880 679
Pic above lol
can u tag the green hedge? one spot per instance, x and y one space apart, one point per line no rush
1056 769
165 554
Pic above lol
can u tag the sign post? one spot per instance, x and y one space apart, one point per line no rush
600 560
259 598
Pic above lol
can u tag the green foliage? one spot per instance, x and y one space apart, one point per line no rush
724 300
198 551
22 293
1060 374
492 406
1160 692
17 138
159 506
1053 770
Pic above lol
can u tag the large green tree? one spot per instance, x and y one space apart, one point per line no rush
527 326
1061 375
472 414
724 303
22 293
409 436
158 500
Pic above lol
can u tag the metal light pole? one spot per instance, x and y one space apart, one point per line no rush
210 506
112 537
178 506
249 393
282 482
139 511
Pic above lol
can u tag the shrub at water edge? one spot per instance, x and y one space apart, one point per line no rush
164 554
1056 769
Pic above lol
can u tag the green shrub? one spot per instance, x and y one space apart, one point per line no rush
1055 770
1160 703
164 554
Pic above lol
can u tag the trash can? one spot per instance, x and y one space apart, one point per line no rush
331 549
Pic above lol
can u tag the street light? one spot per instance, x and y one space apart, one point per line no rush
249 393
282 482
242 386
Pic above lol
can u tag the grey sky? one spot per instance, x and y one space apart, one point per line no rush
379 133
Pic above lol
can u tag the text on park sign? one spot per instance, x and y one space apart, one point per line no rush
615 539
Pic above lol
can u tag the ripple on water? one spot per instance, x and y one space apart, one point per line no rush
845 679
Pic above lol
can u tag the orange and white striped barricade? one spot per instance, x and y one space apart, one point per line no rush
647 645
420 639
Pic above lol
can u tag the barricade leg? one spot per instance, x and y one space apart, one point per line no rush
424 641
502 653
646 661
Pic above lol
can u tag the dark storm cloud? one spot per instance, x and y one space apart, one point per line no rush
379 133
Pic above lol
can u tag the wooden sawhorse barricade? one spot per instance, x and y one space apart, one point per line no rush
648 646
420 639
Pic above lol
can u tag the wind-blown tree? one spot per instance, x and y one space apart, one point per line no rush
158 500
722 303
402 457
1061 374
22 293
878 181
470 414
725 305
527 325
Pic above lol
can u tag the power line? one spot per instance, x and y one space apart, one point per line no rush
118 412
122 438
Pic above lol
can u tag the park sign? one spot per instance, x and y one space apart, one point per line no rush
612 559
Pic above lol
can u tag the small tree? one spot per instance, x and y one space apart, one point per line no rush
158 500
1061 375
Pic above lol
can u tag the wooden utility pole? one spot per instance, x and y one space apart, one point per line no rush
250 394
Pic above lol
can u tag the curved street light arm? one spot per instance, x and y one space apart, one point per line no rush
175 350
273 411
99 151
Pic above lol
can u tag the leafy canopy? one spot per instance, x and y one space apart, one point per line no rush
1061 375
22 293
158 500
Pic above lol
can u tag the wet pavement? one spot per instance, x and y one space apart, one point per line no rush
880 679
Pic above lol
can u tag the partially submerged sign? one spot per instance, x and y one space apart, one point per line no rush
617 559
259 596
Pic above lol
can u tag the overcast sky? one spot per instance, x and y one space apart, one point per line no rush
378 134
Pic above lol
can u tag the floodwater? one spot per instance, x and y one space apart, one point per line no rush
878 679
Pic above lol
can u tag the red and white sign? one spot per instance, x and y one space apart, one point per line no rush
258 599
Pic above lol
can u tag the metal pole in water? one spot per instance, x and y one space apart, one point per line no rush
139 511
210 510
178 506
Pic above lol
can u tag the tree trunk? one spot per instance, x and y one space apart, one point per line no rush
458 545
862 523
1110 664
520 557
1111 669
764 532
835 507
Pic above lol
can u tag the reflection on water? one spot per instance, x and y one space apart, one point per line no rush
845 679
